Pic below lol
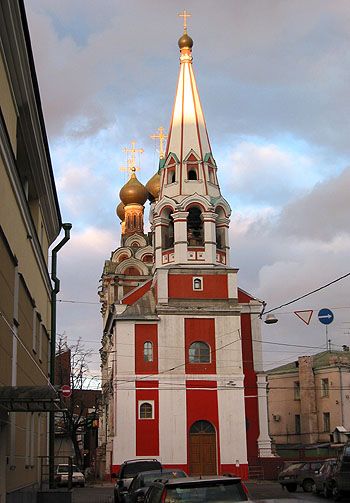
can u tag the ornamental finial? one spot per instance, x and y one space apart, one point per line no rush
185 15
131 160
161 136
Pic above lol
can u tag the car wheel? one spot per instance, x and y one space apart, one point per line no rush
326 491
291 488
307 485
335 492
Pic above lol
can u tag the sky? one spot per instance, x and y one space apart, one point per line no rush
273 77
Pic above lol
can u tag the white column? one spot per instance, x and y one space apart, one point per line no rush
264 440
209 222
158 223
162 285
180 236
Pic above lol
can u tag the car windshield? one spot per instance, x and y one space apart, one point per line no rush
162 475
133 469
291 468
65 468
214 492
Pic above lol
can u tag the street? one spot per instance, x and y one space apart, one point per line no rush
103 493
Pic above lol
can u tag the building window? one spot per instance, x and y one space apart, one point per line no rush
297 424
195 230
326 422
296 390
199 352
148 351
170 175
192 174
146 410
197 283
324 387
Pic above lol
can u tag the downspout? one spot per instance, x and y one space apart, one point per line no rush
66 227
341 395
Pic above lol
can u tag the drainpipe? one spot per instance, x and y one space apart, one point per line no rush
66 227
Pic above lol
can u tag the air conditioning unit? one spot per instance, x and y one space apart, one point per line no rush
276 417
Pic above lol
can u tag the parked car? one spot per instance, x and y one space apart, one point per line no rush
300 474
323 477
62 476
128 470
140 484
339 482
216 489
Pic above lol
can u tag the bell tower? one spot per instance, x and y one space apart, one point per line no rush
190 218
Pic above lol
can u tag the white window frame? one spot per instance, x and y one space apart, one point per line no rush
194 280
140 403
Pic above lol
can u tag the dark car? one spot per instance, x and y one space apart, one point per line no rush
300 474
324 476
128 470
140 484
339 482
216 489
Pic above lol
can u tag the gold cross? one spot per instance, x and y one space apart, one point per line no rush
185 15
161 137
131 161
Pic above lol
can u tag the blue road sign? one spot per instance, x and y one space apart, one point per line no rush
325 316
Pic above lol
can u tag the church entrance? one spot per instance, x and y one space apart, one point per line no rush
202 449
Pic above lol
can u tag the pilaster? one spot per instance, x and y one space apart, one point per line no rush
180 236
209 220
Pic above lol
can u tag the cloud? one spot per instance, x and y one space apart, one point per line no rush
321 215
267 174
283 68
80 265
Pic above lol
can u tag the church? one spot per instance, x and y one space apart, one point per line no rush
181 354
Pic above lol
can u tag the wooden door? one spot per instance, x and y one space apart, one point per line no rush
202 449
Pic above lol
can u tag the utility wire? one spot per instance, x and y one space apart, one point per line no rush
306 294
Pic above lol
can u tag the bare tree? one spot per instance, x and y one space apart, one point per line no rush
72 367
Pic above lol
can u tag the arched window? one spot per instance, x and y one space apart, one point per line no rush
199 352
220 229
168 231
146 410
200 427
195 227
148 351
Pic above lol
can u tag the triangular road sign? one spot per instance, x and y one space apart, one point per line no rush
305 316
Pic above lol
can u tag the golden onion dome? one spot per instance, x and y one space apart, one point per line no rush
185 42
133 192
120 210
153 186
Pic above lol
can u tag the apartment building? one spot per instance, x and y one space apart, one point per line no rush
29 222
308 399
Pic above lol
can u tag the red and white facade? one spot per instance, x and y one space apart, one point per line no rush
181 356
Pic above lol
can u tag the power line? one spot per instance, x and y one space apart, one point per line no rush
307 294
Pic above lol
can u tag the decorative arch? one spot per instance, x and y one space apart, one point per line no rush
202 426
196 199
142 252
162 204
121 254
132 262
222 203
135 238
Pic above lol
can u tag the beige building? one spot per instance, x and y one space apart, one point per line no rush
29 222
309 398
